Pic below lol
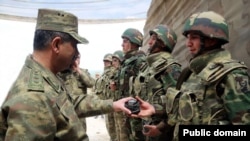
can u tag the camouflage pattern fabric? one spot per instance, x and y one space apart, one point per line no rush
104 92
38 107
77 84
134 36
130 67
151 84
209 23
57 20
199 101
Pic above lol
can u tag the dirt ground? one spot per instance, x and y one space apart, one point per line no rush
96 129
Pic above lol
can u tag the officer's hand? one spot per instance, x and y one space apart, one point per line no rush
119 105
146 109
152 130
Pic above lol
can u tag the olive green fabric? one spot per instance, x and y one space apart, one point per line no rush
38 107
57 20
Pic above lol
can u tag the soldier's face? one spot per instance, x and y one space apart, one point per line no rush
193 43
152 40
115 62
126 45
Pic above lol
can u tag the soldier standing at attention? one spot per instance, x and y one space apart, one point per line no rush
77 81
38 106
162 72
103 90
208 91
134 59
117 58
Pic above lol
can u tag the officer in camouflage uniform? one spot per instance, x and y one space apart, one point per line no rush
117 58
38 107
134 58
77 81
103 90
162 72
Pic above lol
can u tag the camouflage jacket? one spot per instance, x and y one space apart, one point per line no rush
216 93
162 71
77 84
129 69
38 108
102 88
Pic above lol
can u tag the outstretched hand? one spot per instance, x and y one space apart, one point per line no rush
146 109
119 105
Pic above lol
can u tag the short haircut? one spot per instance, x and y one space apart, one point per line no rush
42 38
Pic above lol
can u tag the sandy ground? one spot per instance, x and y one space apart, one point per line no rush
96 129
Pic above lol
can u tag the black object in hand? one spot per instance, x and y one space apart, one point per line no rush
133 105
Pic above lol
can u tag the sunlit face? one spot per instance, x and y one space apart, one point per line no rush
126 45
193 43
152 40
115 62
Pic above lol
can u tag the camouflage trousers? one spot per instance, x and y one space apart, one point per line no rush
122 132
135 127
111 126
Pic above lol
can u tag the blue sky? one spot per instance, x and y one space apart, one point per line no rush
84 9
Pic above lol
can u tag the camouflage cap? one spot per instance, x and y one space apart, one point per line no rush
61 21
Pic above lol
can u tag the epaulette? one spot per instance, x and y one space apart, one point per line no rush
35 81
217 69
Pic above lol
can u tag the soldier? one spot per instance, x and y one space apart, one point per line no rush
38 106
133 61
208 91
117 58
103 91
77 81
102 83
162 72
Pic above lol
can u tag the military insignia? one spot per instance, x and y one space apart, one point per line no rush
242 84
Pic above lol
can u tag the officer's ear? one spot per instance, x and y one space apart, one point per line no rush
55 44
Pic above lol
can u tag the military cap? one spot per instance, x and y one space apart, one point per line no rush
56 20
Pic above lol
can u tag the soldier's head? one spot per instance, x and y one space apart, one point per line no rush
205 31
56 35
107 59
132 40
117 58
162 38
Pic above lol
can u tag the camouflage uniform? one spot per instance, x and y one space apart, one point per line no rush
77 84
120 56
162 72
38 106
104 92
212 93
130 128
55 118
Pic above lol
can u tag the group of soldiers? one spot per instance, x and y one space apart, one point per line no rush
206 92
212 90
